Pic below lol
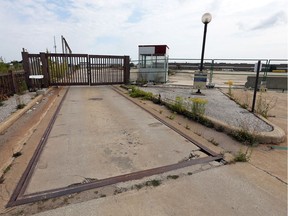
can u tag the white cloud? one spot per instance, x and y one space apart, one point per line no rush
239 28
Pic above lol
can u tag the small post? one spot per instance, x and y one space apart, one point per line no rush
14 85
126 69
45 69
26 67
256 85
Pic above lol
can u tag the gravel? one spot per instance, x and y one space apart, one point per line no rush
10 106
219 107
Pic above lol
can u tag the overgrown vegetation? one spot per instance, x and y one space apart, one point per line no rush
138 93
264 105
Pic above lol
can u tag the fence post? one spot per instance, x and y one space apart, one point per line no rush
14 85
126 69
26 67
45 69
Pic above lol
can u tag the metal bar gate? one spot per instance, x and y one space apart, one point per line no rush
75 69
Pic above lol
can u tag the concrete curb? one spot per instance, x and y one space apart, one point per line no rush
15 116
276 136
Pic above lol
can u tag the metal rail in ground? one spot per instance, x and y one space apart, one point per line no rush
19 197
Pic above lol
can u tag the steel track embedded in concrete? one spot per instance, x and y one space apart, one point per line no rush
18 197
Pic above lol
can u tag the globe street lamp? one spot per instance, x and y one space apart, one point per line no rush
206 18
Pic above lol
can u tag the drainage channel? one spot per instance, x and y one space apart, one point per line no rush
18 197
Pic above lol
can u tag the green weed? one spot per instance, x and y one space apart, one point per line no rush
172 177
241 156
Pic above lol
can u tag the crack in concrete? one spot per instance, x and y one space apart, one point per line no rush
278 178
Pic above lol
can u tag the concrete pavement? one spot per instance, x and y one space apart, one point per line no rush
99 134
239 189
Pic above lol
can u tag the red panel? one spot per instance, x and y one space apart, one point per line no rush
160 49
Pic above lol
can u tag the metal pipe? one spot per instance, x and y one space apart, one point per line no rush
256 85
203 46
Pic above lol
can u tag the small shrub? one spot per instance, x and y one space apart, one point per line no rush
198 106
1 103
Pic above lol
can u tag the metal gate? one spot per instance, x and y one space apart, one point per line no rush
75 69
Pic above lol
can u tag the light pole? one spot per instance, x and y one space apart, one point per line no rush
206 18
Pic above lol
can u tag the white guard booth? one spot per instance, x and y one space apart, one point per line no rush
153 63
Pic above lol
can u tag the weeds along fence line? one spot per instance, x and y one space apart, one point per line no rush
12 83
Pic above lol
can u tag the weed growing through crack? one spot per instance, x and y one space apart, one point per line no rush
20 106
244 137
138 93
187 127
214 142
154 183
7 169
241 156
264 105
173 177
230 83
189 173
171 117
2 179
102 195
160 111
17 154
197 133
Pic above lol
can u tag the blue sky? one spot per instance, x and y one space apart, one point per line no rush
239 28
